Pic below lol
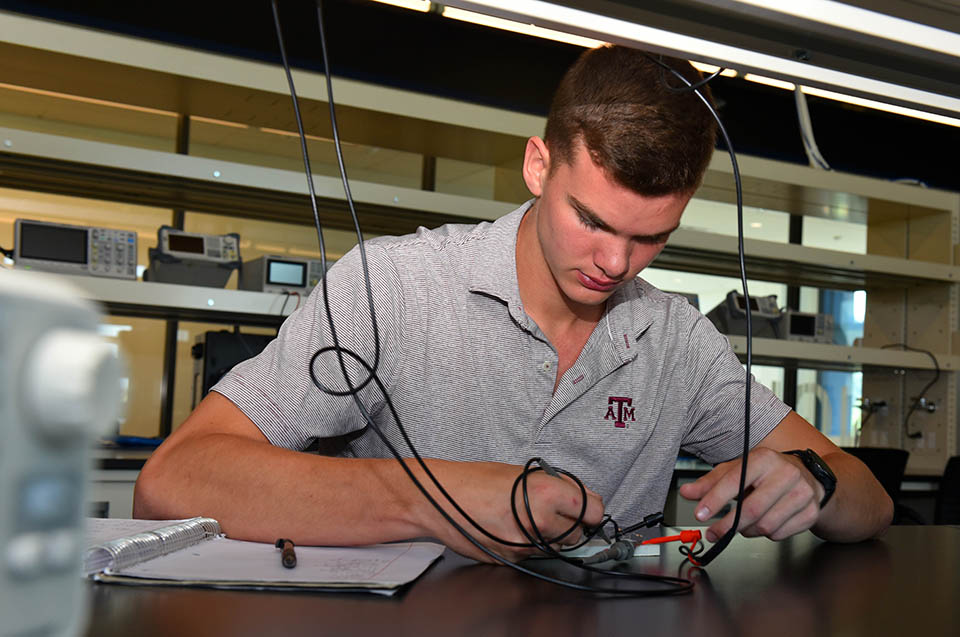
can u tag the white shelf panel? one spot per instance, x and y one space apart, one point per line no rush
771 348
805 263
185 301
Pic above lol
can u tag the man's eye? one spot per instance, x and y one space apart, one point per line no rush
588 223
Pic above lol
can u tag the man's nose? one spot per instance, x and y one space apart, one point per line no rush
613 258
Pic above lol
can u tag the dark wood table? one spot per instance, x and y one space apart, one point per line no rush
907 583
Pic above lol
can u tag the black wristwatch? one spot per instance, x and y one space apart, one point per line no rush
820 470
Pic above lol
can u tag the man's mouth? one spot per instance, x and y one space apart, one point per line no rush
600 285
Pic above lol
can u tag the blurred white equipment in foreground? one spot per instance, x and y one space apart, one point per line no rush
59 389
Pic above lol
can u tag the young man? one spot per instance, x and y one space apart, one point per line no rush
530 336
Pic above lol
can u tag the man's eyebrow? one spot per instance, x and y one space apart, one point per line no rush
585 211
592 217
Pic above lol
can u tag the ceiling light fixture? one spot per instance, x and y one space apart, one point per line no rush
601 27
871 23
877 24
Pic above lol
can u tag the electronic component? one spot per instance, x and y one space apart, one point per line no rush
812 327
68 249
193 259
730 315
59 390
215 354
273 273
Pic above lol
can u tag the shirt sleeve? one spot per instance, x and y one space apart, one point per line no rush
275 389
717 398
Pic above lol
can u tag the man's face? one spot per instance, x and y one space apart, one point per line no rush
594 234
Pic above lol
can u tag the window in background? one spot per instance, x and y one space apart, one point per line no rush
771 377
710 289
140 343
721 218
828 400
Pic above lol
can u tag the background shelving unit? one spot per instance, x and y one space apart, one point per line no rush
911 271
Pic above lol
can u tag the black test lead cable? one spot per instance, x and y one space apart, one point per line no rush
721 544
677 585
672 585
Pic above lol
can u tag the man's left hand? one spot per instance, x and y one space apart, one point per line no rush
781 497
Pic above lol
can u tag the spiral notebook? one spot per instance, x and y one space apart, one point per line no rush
195 552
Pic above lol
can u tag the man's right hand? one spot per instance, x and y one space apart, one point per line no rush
482 489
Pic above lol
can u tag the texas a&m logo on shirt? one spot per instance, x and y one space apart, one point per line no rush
619 410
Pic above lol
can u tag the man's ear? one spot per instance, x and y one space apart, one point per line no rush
536 165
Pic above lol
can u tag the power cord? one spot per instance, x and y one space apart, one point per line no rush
669 585
806 130
287 295
920 400
722 543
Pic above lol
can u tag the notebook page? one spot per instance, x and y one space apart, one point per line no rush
235 561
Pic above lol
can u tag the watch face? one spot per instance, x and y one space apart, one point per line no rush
819 469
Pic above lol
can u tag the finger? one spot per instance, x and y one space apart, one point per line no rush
719 528
574 538
798 523
695 490
773 516
728 486
570 503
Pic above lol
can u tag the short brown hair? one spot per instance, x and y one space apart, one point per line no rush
648 138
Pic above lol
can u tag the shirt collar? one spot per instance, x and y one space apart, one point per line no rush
630 313
495 273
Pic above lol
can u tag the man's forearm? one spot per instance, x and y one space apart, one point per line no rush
859 509
260 492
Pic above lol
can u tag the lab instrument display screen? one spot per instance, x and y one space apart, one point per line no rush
287 273
803 325
754 306
185 243
53 243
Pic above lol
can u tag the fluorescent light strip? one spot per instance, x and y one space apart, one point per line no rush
623 32
880 106
710 68
858 101
519 27
850 18
769 81
416 5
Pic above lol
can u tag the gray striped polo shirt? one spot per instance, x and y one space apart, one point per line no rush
472 376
